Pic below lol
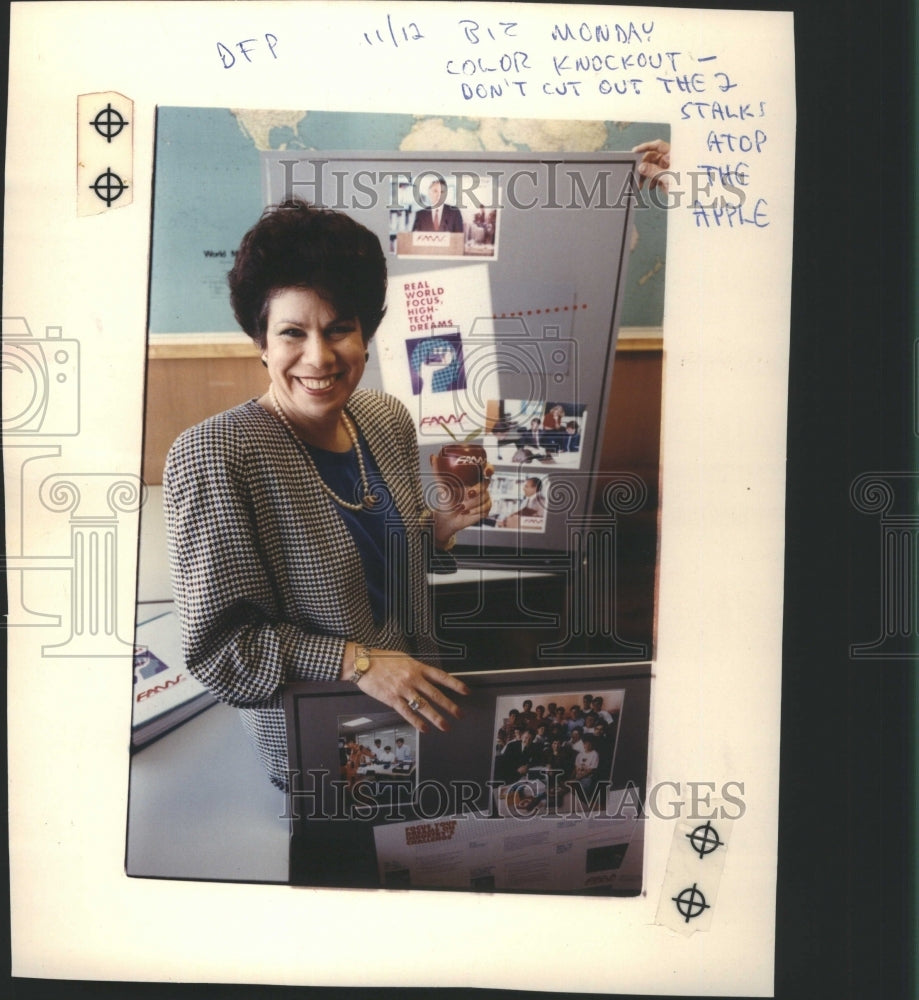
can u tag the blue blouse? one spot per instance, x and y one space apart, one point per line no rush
378 531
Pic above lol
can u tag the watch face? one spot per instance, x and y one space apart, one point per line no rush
361 663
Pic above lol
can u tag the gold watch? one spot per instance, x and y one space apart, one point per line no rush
361 664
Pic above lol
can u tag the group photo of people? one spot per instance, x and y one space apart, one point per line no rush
534 432
545 745
375 752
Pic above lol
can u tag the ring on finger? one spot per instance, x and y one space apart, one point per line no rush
416 704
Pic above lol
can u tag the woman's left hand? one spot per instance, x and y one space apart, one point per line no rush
419 692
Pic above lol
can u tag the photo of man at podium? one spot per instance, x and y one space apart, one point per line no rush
440 217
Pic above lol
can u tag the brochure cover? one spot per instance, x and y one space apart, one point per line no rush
165 693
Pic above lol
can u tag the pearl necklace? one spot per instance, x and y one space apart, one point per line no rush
369 498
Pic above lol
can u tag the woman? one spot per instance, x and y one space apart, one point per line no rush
298 532
554 417
357 757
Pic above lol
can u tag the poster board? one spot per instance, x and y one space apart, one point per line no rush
485 340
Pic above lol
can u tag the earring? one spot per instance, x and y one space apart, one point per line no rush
265 360
366 355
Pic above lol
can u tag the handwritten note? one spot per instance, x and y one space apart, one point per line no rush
489 61
248 50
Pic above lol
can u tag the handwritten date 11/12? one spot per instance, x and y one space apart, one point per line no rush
397 34
393 33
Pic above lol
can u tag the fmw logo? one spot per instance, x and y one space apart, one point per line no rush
160 688
442 421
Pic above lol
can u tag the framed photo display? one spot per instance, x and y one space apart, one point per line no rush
538 789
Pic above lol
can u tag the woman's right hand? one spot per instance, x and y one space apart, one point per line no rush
400 681
475 505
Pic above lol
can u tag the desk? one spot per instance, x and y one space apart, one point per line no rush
201 807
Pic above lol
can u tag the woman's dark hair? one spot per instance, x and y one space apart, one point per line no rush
296 245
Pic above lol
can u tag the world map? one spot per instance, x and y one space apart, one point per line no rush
208 191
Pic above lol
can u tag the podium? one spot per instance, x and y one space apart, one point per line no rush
431 244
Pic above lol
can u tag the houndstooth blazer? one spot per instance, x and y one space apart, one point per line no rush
267 579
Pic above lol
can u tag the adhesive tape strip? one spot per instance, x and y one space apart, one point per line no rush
105 152
694 869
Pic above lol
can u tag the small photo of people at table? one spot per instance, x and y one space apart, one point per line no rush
547 743
378 752
534 434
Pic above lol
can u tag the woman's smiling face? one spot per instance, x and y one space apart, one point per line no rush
315 358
